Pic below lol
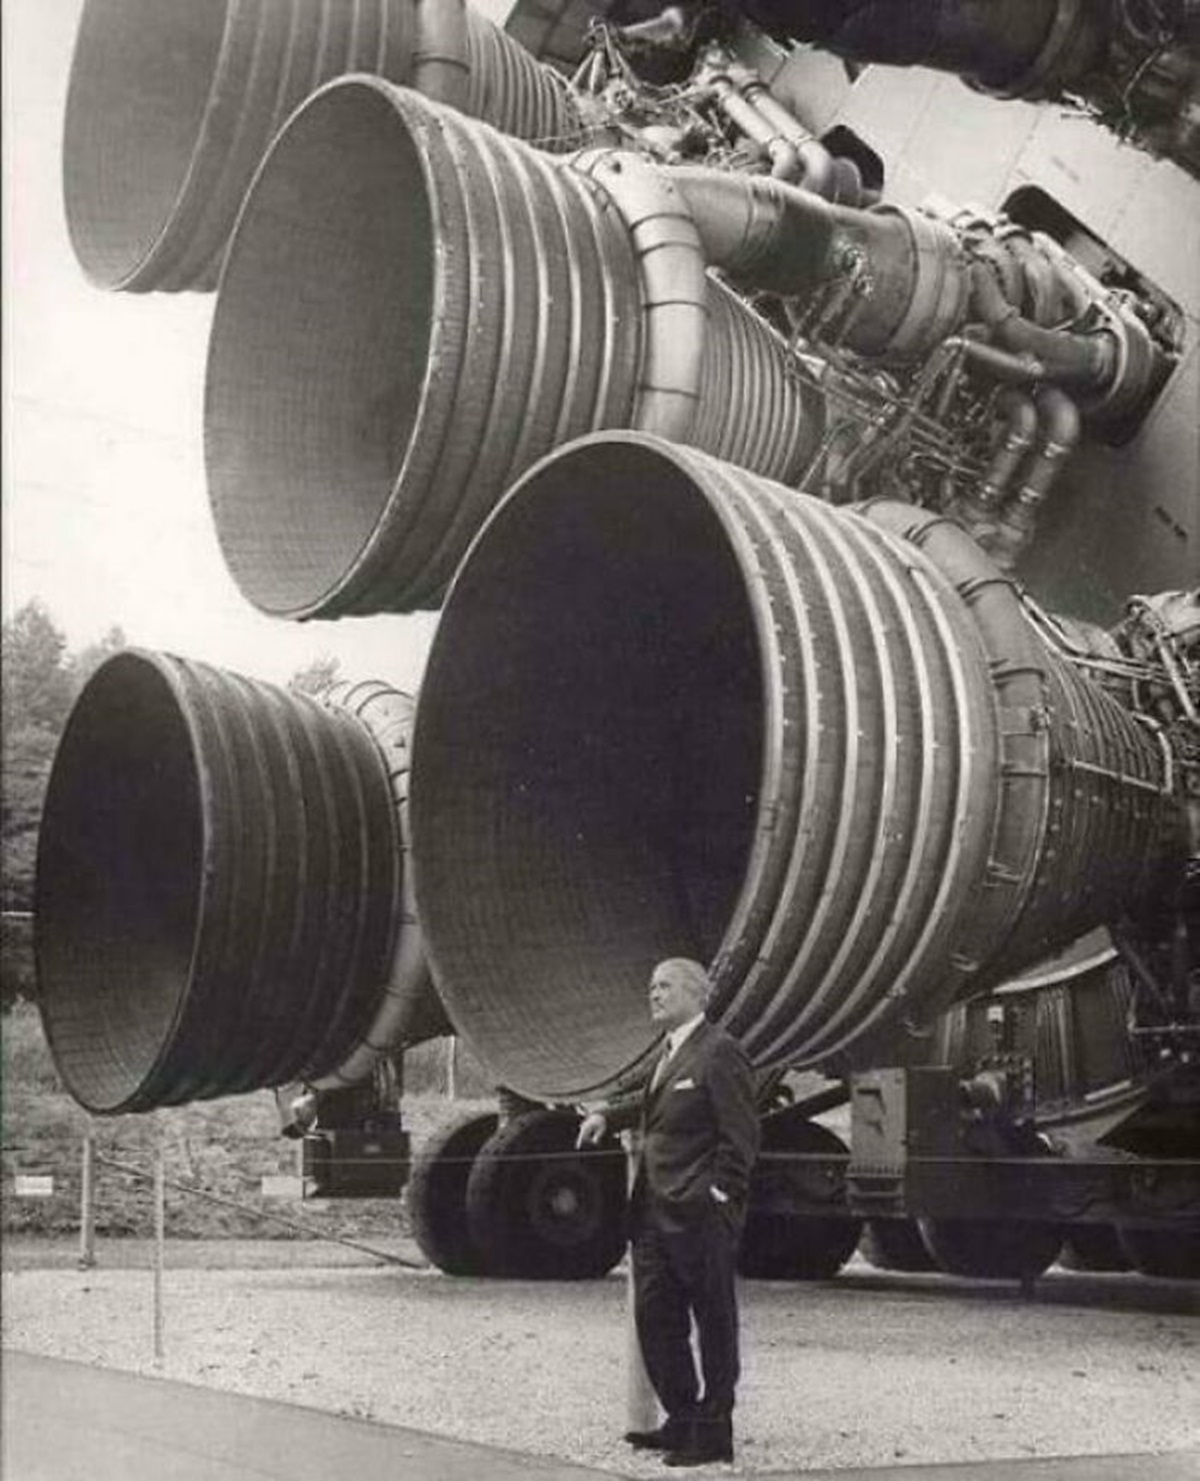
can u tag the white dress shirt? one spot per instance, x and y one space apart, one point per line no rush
677 1035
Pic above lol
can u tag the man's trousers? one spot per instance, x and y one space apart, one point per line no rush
684 1265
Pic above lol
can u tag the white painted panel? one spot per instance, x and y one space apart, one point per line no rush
1085 168
966 144
1158 232
885 106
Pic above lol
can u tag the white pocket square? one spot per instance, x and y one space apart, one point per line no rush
688 1084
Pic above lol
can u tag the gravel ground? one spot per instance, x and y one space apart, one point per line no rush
867 1370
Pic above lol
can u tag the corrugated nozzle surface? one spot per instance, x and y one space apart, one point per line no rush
173 103
217 887
414 309
675 709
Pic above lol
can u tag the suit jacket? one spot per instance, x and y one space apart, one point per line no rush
699 1129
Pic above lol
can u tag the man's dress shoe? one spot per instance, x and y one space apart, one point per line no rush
671 1435
707 1456
704 1442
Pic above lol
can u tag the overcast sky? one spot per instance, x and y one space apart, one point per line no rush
106 517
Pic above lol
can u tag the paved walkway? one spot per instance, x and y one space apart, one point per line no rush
71 1422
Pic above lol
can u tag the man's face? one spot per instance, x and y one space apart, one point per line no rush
671 1003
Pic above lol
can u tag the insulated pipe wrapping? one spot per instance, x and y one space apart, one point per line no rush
759 230
773 236
218 887
415 308
676 709
172 105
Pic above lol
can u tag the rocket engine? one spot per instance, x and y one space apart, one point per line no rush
724 469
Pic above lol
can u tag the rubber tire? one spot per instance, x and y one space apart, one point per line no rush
777 1245
992 1249
1169 1254
540 1210
437 1194
1093 1247
895 1244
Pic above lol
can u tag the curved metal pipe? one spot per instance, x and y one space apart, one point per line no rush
172 104
740 110
764 232
670 264
218 887
1001 365
815 164
731 721
442 63
1086 362
781 238
1040 282
1054 291
1002 262
1018 418
1059 428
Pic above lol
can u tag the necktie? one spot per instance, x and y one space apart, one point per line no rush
660 1069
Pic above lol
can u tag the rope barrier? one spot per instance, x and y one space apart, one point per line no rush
317 1235
825 1158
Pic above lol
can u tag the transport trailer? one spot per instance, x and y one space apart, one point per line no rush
1037 1131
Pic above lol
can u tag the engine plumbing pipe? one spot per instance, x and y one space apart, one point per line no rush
1018 419
172 105
747 101
777 237
1059 428
220 900
672 707
1087 362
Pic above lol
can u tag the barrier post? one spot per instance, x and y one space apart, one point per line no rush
641 1405
452 1067
160 1231
87 1202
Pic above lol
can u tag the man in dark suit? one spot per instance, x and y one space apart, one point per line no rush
699 1139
